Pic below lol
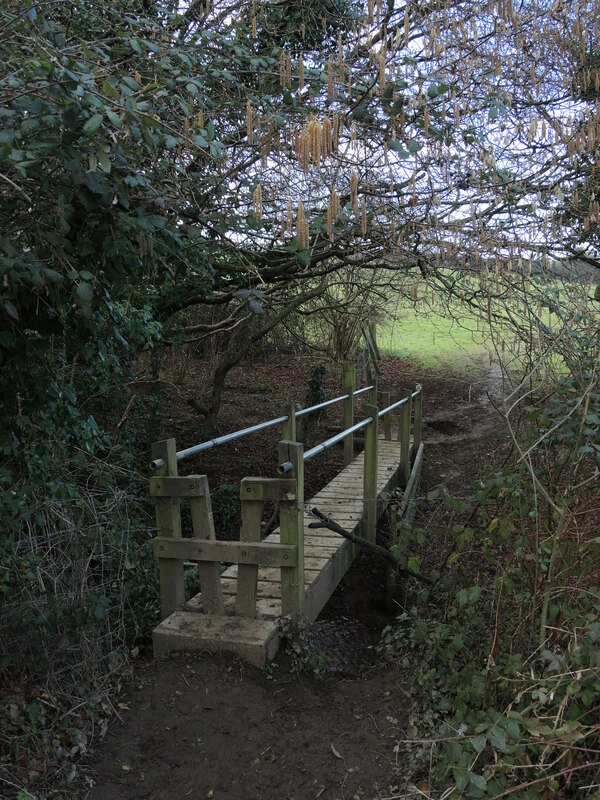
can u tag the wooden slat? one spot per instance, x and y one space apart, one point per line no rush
178 486
252 512
204 531
262 553
268 489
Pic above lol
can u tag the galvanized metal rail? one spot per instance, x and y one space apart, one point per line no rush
157 463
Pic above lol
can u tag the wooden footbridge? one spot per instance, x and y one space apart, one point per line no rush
294 570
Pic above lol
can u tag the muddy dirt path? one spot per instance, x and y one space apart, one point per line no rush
204 726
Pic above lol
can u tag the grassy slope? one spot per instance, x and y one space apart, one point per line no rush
429 334
435 340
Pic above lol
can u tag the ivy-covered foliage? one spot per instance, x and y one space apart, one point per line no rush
504 653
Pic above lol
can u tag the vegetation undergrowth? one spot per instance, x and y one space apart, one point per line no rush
503 654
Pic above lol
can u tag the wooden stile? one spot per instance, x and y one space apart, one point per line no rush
271 578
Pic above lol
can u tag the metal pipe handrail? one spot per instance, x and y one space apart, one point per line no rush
230 437
227 437
387 410
399 403
303 411
320 448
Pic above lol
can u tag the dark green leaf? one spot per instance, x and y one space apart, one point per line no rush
92 125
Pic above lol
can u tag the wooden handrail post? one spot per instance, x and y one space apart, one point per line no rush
291 526
168 523
372 393
404 437
370 474
348 387
288 429
387 421
418 420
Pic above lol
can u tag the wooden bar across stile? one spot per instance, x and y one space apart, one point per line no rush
327 555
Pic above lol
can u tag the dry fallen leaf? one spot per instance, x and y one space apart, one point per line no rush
335 752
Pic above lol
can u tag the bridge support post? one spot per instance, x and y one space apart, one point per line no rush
292 532
418 419
370 473
348 387
404 437
168 523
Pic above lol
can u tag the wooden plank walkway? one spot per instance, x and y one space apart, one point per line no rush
327 557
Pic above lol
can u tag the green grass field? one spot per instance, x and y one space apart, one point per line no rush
440 338
434 340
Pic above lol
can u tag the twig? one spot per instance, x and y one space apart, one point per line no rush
125 415
22 192
326 522
566 771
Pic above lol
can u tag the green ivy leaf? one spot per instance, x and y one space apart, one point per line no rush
11 310
104 161
83 296
114 118
92 125
477 780
497 739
